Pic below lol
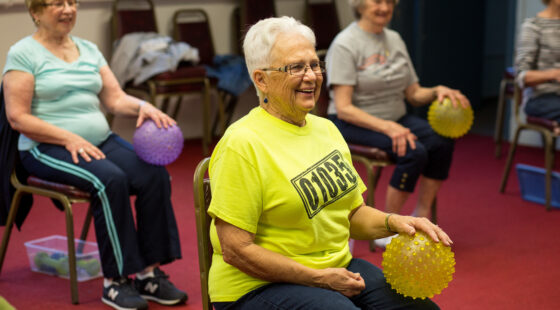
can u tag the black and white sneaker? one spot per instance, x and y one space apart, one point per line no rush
159 289
122 295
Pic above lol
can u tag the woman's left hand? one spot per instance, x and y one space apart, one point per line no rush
409 225
148 111
455 95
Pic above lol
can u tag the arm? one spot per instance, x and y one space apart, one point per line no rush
348 112
240 251
118 102
369 223
417 95
18 89
536 77
527 59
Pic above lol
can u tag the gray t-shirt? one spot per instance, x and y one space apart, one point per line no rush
377 65
538 48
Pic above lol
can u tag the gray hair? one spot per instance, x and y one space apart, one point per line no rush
356 5
261 37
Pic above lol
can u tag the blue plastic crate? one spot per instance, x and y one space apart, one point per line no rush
532 184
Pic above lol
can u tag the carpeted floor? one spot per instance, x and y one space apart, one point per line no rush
506 248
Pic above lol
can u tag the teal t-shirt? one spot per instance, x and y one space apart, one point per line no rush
65 94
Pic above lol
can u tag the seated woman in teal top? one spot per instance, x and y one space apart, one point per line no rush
54 85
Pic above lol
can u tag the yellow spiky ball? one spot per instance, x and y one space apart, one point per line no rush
416 266
449 121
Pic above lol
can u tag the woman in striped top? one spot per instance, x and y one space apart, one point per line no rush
538 62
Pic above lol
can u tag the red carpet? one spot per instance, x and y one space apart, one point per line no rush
506 248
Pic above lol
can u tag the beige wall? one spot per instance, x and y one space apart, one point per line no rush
94 24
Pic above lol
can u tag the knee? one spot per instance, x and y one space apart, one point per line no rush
117 179
443 149
418 156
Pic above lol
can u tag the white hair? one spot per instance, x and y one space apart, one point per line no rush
261 37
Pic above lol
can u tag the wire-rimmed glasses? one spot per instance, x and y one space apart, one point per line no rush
61 4
299 69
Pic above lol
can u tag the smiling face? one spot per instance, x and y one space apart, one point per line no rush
290 96
56 19
378 13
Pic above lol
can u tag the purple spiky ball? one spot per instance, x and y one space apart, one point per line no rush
157 146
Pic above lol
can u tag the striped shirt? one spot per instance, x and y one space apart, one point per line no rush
538 48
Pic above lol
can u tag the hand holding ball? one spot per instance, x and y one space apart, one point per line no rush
157 146
449 121
417 266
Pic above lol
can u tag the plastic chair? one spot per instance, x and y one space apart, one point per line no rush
506 93
139 16
192 26
543 126
202 198
322 17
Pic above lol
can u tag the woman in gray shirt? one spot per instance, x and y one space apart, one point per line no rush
370 74
538 62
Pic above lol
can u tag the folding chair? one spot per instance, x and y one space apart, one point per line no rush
506 93
138 16
65 194
322 17
543 126
192 26
202 198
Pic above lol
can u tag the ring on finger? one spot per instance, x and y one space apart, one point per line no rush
81 150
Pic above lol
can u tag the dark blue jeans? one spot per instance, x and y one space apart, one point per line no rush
545 106
377 295
431 158
124 249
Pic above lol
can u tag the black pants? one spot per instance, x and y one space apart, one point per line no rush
124 248
431 158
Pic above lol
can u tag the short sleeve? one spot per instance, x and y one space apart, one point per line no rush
341 66
19 59
236 190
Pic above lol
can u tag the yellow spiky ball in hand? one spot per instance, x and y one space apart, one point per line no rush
449 121
416 266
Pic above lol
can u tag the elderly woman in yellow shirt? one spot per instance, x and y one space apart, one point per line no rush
286 197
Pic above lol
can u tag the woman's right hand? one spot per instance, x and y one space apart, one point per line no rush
400 136
342 280
78 146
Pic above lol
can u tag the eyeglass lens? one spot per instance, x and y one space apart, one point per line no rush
60 4
301 68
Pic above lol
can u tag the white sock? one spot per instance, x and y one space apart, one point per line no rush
107 282
140 276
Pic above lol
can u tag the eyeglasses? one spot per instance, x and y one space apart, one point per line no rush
299 69
60 4
388 2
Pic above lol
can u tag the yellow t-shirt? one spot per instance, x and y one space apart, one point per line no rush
293 187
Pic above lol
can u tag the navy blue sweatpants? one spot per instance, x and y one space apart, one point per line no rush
124 249
431 158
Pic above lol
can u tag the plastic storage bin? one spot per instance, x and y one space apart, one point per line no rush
532 184
49 255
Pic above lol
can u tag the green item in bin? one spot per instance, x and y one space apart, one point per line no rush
90 265
56 264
